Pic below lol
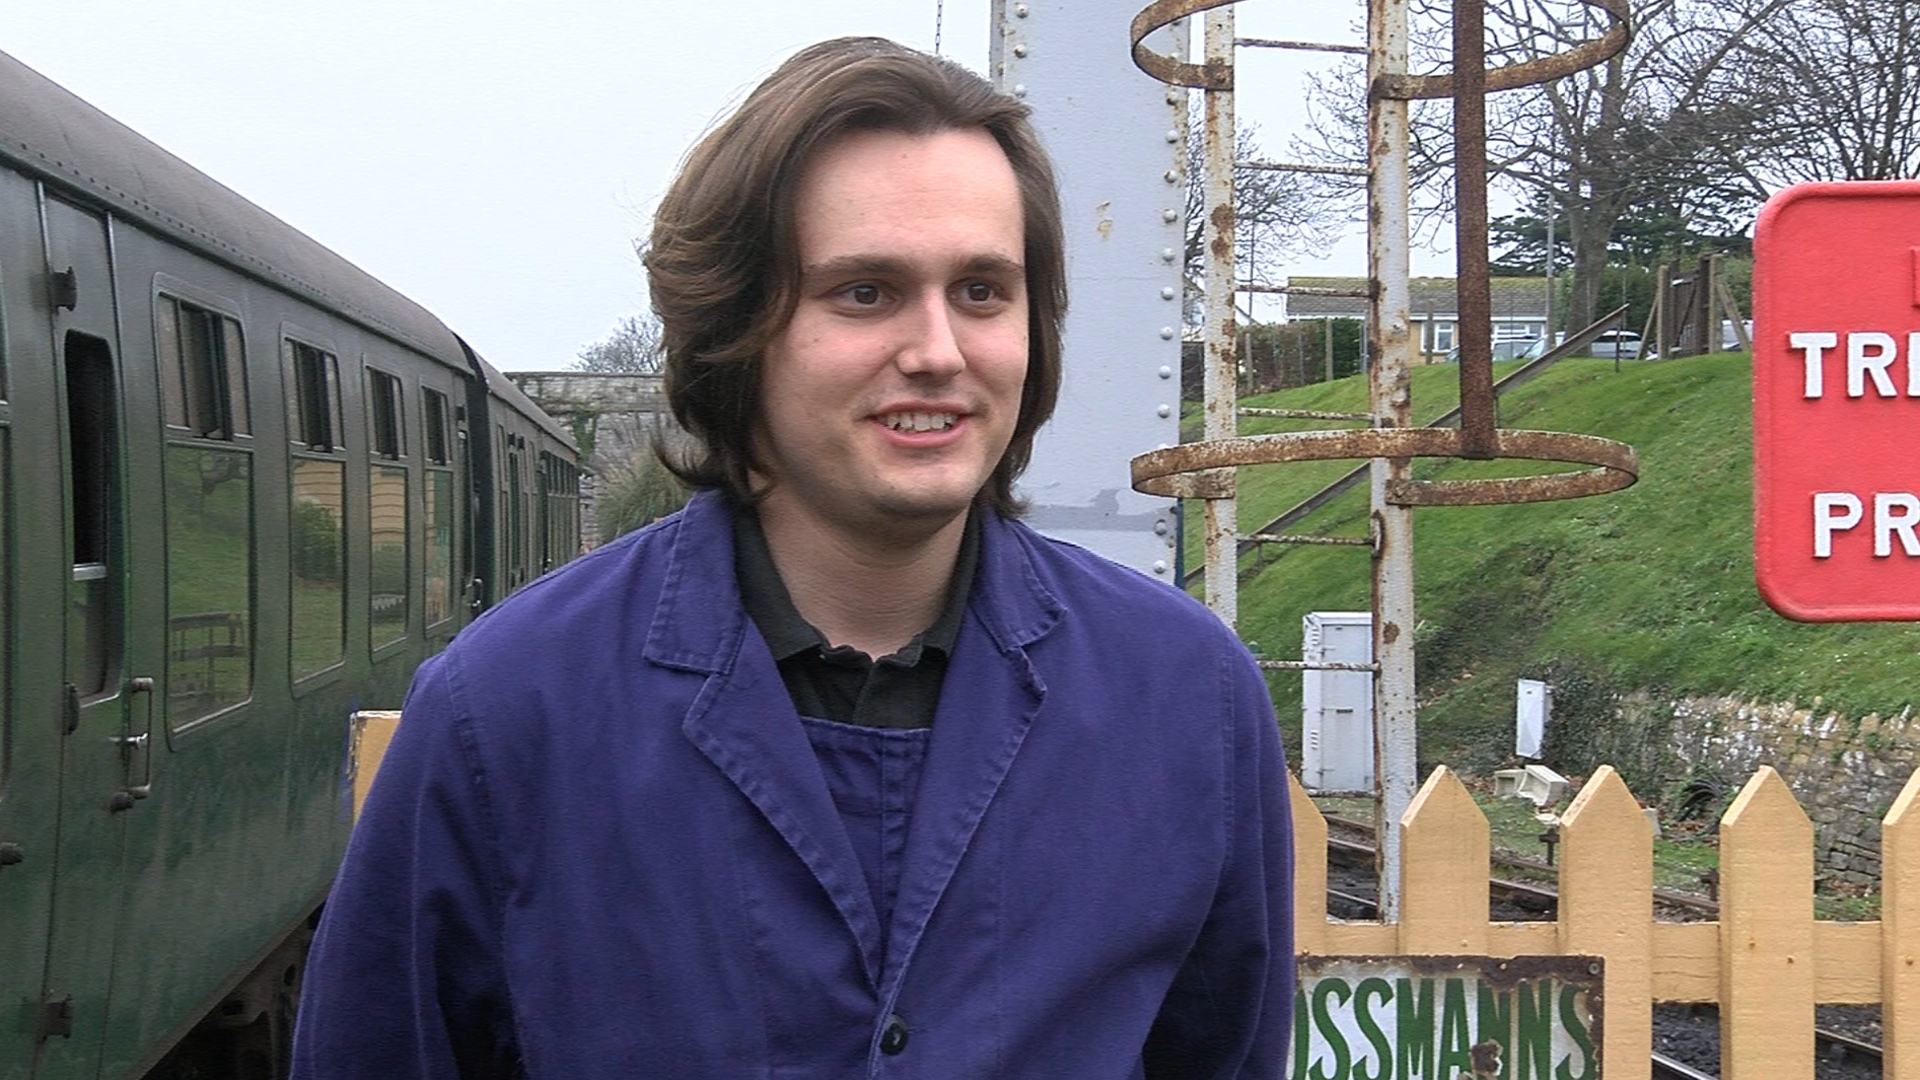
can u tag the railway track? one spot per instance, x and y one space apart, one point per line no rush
1527 900
1666 1068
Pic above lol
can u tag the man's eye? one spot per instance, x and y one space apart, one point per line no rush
864 295
979 292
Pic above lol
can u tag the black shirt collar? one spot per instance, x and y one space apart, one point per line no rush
770 605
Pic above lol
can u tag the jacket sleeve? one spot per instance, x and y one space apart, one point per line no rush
1229 1012
405 975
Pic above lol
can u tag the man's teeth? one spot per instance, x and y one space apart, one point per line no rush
921 421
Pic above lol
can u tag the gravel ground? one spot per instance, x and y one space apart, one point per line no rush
1691 1034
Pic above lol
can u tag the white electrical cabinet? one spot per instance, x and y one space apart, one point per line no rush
1533 708
1336 751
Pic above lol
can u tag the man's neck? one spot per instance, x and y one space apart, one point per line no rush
872 592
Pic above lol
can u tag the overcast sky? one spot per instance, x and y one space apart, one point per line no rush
494 160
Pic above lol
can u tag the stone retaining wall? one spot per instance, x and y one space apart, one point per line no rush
1845 771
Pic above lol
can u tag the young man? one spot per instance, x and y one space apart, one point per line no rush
662 813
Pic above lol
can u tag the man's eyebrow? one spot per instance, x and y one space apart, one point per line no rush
852 265
855 265
993 264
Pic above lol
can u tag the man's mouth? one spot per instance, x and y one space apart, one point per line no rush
920 421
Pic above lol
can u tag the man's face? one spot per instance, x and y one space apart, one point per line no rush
891 396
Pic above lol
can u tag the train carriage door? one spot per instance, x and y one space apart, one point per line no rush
105 707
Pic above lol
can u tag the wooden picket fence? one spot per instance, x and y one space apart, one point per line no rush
1766 962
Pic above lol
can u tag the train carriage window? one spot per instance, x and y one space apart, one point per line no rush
202 369
234 352
572 516
543 511
313 396
503 557
209 510
93 501
384 415
438 603
209 580
388 577
317 607
516 526
560 509
433 406
319 602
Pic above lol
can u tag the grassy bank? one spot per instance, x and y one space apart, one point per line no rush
1650 588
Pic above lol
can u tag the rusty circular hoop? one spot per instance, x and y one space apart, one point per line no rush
1165 68
1220 76
1173 471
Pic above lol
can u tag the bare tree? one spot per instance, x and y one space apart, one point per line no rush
633 348
1276 214
1659 116
1839 82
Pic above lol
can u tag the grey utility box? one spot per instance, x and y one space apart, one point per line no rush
1336 752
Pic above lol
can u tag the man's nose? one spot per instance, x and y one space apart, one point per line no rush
932 343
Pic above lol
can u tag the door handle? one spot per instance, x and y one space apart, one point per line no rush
140 742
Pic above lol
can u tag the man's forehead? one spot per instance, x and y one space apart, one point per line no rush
850 157
949 197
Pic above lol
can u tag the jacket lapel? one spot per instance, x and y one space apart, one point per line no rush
744 722
743 718
987 705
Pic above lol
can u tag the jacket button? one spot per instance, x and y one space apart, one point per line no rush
893 1037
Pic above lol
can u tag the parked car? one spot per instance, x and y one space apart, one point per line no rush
1507 349
1616 345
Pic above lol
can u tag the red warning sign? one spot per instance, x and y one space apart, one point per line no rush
1836 401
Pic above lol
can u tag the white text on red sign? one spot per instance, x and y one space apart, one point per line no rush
1895 513
1870 356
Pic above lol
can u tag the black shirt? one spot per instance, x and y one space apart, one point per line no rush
839 682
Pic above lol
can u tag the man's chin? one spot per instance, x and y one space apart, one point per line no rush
925 510
921 512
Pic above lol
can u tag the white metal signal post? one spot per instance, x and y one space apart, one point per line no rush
1118 143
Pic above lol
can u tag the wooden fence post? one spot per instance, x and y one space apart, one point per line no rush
1443 870
1606 910
368 734
1900 935
1766 934
1309 871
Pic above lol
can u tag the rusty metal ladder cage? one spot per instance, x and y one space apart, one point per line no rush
1205 470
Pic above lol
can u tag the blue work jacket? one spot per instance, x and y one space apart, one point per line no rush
601 845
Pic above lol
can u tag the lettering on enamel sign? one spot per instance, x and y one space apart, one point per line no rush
1836 401
1440 1017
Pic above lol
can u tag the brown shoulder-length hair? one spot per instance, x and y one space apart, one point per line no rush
723 261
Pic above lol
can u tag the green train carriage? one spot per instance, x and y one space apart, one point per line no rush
244 490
